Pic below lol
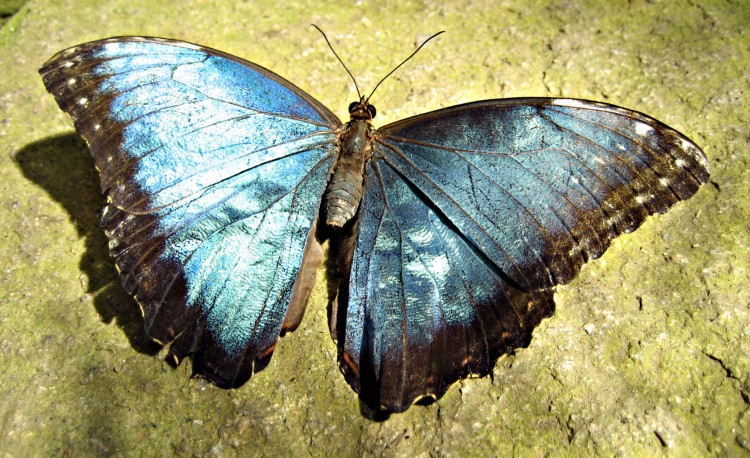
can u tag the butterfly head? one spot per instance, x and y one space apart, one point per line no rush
362 110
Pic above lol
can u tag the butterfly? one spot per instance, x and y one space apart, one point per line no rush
451 229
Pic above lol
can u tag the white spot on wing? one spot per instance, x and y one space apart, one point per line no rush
83 101
694 151
643 129
191 46
570 103
71 81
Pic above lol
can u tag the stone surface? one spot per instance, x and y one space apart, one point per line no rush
647 353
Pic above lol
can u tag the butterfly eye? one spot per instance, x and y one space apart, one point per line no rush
361 110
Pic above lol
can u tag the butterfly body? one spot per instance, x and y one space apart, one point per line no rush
344 191
452 228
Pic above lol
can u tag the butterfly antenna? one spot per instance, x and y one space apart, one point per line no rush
402 63
340 61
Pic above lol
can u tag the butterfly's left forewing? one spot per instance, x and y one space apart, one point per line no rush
214 169
472 214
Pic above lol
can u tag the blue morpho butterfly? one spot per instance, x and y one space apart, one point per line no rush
450 228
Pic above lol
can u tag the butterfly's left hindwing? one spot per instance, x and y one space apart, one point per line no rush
214 170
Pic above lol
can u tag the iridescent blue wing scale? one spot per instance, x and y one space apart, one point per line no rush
472 214
213 169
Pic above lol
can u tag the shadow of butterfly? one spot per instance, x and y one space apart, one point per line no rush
452 228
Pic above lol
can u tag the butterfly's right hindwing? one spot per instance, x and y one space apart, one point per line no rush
424 307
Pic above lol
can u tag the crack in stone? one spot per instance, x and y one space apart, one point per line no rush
728 371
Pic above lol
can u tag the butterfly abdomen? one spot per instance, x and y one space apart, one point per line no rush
344 191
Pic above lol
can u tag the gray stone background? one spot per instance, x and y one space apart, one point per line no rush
646 355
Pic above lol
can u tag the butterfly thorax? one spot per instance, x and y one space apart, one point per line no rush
345 186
